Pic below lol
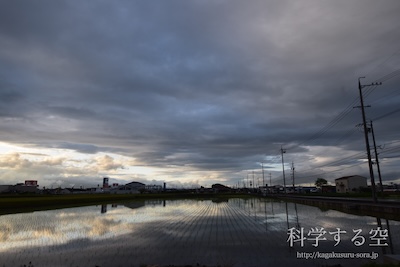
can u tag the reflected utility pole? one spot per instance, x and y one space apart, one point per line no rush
371 171
283 170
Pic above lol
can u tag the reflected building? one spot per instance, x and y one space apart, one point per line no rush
155 202
135 204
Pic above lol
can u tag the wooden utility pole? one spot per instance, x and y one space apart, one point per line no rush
371 171
262 167
293 177
376 157
283 170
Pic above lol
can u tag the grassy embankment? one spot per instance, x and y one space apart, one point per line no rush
27 203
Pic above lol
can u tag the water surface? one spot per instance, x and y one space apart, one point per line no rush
236 232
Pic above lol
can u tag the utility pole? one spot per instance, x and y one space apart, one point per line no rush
262 167
376 157
283 170
253 181
371 171
293 176
270 179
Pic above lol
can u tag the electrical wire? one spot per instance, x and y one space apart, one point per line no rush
388 76
340 117
327 172
387 114
327 127
346 111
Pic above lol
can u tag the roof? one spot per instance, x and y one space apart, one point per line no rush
136 183
351 176
219 186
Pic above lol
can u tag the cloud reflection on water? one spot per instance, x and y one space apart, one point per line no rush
56 227
158 231
62 226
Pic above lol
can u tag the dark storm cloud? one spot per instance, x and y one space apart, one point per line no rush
215 85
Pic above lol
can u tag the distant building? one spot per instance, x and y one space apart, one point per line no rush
29 186
5 188
350 184
154 188
304 189
130 188
105 182
220 188
31 183
64 191
328 189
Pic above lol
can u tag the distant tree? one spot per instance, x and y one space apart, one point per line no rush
320 182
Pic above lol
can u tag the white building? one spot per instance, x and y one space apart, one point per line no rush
154 188
350 184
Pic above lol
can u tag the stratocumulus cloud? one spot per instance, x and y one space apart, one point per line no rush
194 92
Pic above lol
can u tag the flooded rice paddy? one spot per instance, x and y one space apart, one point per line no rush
235 232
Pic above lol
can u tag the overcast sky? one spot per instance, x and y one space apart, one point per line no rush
195 92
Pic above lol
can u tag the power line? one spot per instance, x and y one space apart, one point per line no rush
388 76
344 113
299 176
393 142
392 33
343 161
390 150
347 110
385 61
336 162
327 127
390 95
346 135
323 173
387 114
